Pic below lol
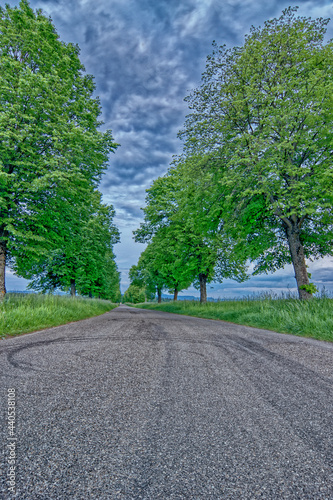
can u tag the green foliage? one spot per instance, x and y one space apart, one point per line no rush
23 313
310 288
255 180
182 226
308 319
108 286
134 294
51 151
147 274
81 252
263 114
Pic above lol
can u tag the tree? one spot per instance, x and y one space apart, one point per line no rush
166 257
182 220
264 111
165 252
80 255
107 282
49 137
134 294
110 287
96 253
147 274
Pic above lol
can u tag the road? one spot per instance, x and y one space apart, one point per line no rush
139 404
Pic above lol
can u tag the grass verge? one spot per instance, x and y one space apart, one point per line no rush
312 318
24 313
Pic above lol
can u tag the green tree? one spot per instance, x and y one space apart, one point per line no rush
110 280
134 294
182 217
264 111
164 256
49 137
167 261
146 274
80 255
96 252
106 283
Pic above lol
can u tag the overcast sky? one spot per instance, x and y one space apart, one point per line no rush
146 56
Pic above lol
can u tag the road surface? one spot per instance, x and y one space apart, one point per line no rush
139 404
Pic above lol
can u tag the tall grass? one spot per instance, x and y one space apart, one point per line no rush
313 318
23 313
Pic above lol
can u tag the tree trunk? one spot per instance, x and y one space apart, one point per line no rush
298 260
3 253
73 289
175 295
203 288
159 295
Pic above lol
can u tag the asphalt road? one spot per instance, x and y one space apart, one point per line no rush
141 404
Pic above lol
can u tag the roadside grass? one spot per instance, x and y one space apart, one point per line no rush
312 318
24 313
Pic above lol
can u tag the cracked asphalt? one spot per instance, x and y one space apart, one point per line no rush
138 404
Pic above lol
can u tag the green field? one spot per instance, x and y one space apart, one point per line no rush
312 318
23 313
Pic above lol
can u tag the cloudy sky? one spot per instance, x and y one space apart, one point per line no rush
146 56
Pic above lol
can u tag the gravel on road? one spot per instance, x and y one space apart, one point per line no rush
138 404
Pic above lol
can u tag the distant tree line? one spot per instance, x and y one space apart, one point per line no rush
54 228
255 181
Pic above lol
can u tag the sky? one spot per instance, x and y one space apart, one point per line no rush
146 56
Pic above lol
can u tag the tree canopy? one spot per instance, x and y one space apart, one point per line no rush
264 114
187 242
51 149
81 256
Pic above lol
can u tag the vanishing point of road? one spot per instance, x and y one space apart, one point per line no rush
139 404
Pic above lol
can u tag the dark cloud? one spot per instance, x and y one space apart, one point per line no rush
146 56
324 275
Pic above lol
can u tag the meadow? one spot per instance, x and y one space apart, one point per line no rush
313 318
23 313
